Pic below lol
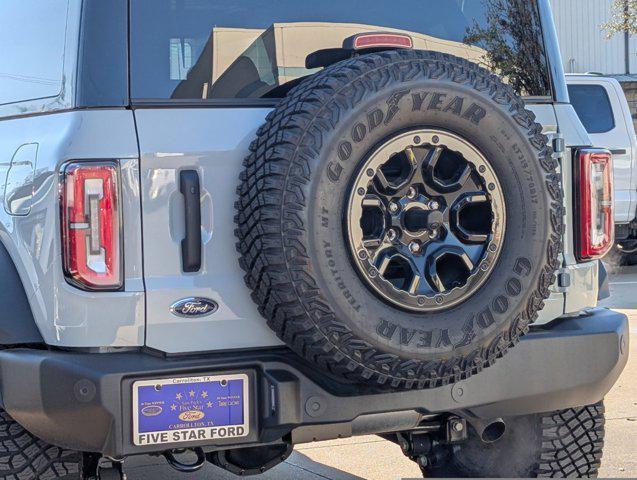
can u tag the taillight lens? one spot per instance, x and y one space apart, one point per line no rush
91 225
594 195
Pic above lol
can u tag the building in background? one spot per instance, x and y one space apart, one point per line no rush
585 47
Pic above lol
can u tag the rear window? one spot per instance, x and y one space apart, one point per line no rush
630 89
221 49
593 107
32 36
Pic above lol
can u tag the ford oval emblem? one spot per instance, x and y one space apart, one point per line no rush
152 411
194 307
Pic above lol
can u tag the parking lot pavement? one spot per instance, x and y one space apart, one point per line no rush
374 459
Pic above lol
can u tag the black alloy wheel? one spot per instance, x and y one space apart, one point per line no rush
426 220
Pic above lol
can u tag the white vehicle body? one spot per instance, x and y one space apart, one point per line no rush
603 109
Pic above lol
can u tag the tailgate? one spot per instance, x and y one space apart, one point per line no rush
211 144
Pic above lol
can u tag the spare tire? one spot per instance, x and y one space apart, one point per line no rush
400 218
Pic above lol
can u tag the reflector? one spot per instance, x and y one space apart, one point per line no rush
91 225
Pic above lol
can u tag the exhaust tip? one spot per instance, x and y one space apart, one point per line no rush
494 431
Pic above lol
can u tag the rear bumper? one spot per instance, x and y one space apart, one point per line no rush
83 401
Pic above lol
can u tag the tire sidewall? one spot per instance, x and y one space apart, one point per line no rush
365 124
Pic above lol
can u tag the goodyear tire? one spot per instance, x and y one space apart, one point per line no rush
454 263
26 457
563 444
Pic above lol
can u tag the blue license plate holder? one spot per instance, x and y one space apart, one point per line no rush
205 408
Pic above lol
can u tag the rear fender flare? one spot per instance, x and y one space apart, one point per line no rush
17 324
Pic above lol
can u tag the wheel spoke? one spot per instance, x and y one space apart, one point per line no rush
417 176
452 198
382 180
434 155
437 283
473 252
372 201
414 285
421 284
372 243
464 176
476 197
383 265
411 156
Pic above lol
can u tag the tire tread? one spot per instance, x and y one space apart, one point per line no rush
572 442
23 456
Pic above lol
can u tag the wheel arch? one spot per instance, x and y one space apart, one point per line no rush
17 323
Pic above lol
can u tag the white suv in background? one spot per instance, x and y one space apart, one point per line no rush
602 107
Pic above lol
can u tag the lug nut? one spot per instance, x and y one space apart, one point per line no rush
412 193
414 247
393 207
433 205
433 234
391 235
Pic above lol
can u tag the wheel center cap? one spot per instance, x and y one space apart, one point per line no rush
417 219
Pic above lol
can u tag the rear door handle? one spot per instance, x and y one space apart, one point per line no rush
191 244
620 151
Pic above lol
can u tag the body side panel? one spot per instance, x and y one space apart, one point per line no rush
66 316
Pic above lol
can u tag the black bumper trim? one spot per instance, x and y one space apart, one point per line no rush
82 401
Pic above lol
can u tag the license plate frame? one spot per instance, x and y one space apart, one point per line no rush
202 408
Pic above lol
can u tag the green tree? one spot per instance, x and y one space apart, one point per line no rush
623 18
511 38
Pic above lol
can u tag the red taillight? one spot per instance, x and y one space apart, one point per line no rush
594 195
382 40
91 225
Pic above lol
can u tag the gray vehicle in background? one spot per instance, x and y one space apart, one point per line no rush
229 228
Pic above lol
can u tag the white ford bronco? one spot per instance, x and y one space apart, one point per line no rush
229 228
